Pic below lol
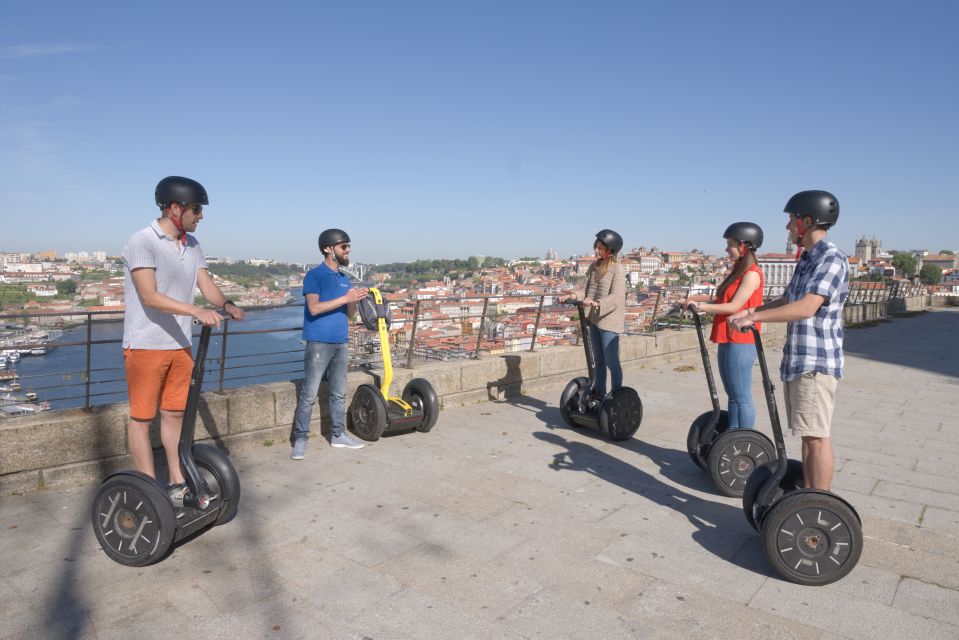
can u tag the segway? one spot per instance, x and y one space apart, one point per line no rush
617 415
810 536
727 456
373 410
135 519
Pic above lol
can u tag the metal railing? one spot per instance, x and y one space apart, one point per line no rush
83 366
267 347
864 292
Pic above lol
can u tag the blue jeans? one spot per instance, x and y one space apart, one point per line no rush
736 370
606 353
319 358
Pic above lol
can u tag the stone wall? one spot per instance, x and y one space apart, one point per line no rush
854 314
75 446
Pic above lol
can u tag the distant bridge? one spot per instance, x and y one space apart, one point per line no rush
357 271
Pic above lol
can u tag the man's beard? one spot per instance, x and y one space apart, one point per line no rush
343 261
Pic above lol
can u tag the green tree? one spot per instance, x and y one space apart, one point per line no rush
66 288
681 277
905 263
12 294
946 252
931 274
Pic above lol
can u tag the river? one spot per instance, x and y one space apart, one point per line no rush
58 376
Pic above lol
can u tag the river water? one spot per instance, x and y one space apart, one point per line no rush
58 377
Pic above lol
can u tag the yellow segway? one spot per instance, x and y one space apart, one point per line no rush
373 410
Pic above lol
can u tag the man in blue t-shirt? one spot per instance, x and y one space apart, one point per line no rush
330 303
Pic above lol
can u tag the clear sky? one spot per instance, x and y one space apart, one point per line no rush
503 127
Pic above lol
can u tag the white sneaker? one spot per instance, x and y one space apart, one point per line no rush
344 441
299 449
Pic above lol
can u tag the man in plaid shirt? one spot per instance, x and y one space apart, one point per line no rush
812 305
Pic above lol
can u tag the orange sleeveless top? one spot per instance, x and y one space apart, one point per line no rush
721 330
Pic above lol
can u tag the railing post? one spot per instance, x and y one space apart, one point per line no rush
86 395
659 294
482 327
416 318
539 314
226 328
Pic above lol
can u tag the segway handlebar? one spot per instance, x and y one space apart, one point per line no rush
769 390
584 338
222 317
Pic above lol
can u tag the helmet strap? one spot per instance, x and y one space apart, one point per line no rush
800 232
178 223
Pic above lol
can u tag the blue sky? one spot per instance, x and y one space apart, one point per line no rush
449 129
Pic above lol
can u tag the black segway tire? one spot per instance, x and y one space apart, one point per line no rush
133 519
621 414
696 428
792 481
569 400
368 415
222 479
419 394
733 457
812 537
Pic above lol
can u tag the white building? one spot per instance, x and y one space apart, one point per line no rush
777 271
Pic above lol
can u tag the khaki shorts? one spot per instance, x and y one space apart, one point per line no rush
810 400
157 378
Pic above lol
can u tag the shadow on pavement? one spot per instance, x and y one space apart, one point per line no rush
70 607
919 341
719 527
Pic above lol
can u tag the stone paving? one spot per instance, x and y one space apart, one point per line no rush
503 523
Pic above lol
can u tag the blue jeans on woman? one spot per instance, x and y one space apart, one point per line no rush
736 370
606 353
319 358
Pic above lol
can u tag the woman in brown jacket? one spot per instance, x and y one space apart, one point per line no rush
604 301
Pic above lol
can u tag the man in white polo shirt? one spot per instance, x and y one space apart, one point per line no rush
163 264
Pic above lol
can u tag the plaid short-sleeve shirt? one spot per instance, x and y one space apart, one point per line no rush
815 344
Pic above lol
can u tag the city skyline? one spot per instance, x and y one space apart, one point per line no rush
429 130
543 255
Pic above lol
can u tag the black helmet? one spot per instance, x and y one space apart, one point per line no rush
181 190
331 237
611 239
821 206
746 232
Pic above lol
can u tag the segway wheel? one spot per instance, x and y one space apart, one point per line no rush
133 519
569 401
368 415
812 538
693 444
734 456
621 414
221 477
419 394
792 481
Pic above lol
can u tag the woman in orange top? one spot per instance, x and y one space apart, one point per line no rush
741 289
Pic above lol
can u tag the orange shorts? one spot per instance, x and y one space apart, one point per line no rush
157 378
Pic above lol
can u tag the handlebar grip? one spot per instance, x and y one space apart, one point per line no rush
222 317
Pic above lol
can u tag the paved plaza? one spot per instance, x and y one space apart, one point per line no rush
504 523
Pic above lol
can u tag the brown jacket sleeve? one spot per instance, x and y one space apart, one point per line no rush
615 299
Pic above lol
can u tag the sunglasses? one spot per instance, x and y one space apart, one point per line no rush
344 245
195 208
